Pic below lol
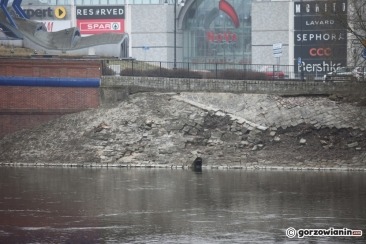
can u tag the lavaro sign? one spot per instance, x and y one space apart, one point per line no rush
100 19
320 39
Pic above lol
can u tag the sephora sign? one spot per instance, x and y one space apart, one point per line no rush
320 39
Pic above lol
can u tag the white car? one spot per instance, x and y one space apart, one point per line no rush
341 74
360 73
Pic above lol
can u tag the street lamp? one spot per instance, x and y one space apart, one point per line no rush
175 29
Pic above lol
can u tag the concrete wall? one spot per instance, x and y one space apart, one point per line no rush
152 26
114 89
270 25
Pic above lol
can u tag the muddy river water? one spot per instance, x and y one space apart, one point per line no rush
121 205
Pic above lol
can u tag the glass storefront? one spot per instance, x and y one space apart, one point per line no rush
218 31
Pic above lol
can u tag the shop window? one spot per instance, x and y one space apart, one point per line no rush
218 31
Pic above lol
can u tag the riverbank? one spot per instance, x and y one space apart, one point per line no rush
241 131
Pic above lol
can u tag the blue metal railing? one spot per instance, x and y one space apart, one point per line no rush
49 81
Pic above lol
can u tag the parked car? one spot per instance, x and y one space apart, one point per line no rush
272 73
341 74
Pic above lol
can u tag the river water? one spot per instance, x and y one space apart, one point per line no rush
84 205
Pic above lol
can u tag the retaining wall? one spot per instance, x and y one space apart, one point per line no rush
114 88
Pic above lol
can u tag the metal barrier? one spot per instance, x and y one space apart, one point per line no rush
220 71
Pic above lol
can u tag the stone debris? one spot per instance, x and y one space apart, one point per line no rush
352 145
277 139
247 131
101 127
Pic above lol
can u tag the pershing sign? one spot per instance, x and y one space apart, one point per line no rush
320 39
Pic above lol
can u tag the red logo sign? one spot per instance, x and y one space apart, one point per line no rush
230 11
320 52
98 26
221 37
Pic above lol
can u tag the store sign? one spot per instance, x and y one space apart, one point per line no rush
320 39
221 37
320 7
100 12
46 13
100 19
101 26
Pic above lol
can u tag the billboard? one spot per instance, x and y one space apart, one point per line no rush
100 19
320 39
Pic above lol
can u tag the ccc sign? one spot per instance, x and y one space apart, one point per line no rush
320 52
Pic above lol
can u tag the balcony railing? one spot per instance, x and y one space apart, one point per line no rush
227 71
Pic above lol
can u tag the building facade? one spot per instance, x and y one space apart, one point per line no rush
303 33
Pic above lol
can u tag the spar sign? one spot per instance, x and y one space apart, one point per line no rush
100 19
100 26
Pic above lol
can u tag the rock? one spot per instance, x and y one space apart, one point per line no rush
302 141
166 151
101 127
149 122
327 147
244 130
197 164
273 133
245 143
352 145
220 113
254 136
216 134
230 137
187 128
195 153
277 139
323 142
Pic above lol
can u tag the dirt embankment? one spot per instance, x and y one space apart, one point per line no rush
226 130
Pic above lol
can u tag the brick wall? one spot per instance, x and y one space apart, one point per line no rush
50 68
10 123
23 107
47 98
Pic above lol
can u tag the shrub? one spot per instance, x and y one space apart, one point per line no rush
107 71
175 73
233 74
230 74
